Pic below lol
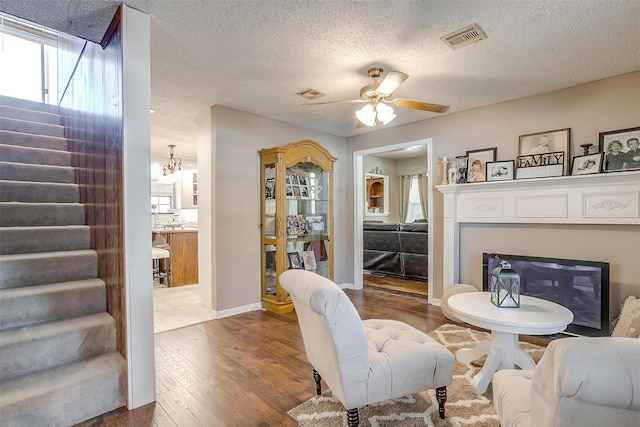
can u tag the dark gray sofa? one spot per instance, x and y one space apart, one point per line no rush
397 250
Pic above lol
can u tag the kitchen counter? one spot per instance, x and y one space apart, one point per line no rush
184 255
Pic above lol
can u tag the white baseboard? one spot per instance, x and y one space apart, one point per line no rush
236 310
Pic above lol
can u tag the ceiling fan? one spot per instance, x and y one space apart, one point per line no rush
377 96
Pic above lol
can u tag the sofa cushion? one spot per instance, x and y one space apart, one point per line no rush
629 321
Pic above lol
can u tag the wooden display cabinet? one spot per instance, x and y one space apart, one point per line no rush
296 216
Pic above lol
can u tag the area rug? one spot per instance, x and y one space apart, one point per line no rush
463 408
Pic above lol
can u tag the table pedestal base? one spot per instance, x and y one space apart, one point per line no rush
503 352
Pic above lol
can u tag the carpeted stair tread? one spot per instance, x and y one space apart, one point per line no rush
16 214
31 155
47 267
30 140
12 171
28 105
29 115
35 128
20 240
38 192
35 348
65 396
44 303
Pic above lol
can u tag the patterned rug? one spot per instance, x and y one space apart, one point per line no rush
463 408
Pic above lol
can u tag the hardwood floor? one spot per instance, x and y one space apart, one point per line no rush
248 369
395 284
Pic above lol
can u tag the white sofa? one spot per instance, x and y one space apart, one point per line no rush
578 382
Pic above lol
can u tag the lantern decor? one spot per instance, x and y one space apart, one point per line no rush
505 286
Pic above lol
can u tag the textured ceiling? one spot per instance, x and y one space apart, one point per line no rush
255 55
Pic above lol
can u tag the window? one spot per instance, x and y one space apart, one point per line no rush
414 212
28 61
163 204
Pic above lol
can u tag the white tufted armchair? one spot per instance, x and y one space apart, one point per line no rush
363 362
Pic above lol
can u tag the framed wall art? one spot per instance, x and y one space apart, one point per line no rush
500 171
620 148
588 164
477 163
544 154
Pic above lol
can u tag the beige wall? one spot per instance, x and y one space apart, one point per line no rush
587 109
233 213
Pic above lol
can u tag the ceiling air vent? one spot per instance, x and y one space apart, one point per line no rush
464 37
310 94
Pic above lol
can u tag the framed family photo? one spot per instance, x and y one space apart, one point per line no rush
477 163
588 164
500 171
544 154
620 148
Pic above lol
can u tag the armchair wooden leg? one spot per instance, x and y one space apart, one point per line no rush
352 417
316 376
441 396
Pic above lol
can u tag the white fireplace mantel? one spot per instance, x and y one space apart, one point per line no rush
611 198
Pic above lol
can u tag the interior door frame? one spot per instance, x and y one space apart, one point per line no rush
358 174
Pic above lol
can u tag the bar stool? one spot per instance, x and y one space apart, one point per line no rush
159 255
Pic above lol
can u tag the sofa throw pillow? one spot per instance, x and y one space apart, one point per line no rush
629 321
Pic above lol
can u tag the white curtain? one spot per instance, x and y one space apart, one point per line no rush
423 188
405 188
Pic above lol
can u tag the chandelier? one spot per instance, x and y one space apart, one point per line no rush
174 164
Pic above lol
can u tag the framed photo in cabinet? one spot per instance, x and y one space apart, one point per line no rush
294 260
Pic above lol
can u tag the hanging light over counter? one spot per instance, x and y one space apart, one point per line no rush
174 164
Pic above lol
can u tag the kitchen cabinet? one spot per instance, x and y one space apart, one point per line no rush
184 256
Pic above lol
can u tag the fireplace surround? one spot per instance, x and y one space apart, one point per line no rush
600 199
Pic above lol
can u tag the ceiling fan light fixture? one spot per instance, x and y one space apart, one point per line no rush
385 113
367 115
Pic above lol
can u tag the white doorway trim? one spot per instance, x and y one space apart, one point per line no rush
358 174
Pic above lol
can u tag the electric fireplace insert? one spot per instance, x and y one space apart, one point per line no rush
580 286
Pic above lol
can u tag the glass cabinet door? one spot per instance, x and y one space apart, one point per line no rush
308 219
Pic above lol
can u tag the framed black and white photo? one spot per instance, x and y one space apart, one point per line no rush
540 151
315 224
477 163
588 164
500 171
294 260
270 190
289 191
620 148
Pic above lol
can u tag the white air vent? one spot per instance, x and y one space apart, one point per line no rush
310 94
464 37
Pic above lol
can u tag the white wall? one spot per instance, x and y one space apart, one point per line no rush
231 219
587 109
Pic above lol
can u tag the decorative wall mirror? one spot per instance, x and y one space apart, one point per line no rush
376 194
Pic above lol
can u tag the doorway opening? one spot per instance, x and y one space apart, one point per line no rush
391 264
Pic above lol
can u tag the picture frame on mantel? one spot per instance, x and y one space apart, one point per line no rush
477 163
503 170
587 164
544 154
620 148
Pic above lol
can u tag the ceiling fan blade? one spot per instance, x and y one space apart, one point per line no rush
391 82
349 101
416 105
